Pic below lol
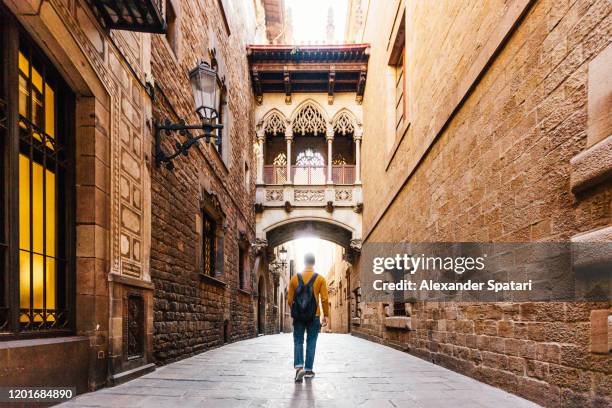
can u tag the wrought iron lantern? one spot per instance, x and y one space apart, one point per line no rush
282 252
207 94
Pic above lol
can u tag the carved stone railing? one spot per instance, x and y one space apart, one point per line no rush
308 195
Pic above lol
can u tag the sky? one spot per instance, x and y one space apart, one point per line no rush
322 250
310 19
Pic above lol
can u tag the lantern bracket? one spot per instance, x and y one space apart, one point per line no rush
167 128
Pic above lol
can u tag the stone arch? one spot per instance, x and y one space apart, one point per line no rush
309 117
344 122
273 122
324 228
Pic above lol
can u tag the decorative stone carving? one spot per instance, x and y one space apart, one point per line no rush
274 194
259 246
309 194
343 194
274 124
309 120
356 245
344 124
329 207
358 208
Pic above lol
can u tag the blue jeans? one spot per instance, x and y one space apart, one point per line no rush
312 331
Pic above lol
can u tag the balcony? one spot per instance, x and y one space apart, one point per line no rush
131 15
309 175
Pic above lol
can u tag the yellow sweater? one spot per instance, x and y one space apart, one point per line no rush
319 287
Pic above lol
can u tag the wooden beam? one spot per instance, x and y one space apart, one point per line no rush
331 81
305 67
257 89
287 81
361 85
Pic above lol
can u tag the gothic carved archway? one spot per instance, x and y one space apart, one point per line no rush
309 117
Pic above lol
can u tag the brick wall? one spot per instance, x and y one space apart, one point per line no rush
192 312
493 166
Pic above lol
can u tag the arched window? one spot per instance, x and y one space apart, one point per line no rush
310 158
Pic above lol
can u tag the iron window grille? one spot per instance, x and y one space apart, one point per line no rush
209 245
36 110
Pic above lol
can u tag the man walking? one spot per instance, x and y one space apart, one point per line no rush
305 289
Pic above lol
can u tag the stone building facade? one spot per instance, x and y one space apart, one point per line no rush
85 318
338 285
507 141
195 308
106 257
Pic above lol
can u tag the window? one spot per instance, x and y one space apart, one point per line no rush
310 158
399 309
223 142
400 100
241 260
397 60
172 27
209 245
39 257
247 177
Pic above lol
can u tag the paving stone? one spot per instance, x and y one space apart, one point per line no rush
258 373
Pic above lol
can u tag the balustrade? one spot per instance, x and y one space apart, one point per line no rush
308 175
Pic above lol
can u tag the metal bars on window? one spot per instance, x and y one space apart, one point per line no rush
209 236
42 167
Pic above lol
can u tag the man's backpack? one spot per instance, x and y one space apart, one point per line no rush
304 305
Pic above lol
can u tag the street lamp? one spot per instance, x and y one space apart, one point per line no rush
282 253
206 93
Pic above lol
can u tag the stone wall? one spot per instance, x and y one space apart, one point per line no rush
193 312
498 96
106 71
339 293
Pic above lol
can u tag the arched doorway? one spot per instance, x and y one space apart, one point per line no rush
261 306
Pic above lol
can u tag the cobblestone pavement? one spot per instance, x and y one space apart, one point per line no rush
350 372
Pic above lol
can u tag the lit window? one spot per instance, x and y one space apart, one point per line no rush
43 109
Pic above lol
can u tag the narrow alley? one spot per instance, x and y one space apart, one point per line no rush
350 372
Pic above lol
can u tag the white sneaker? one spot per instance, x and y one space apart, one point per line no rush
299 375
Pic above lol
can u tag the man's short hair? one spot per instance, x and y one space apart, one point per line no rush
309 259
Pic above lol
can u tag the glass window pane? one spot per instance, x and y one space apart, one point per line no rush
38 270
24 202
23 95
50 213
49 111
37 208
24 64
37 98
51 274
24 279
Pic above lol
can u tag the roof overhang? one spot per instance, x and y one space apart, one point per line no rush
308 68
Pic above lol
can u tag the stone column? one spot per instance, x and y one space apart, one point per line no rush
261 139
329 135
357 138
289 139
